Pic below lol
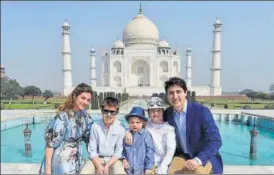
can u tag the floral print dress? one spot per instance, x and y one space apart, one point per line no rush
64 134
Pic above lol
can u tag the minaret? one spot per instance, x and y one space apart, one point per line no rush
92 69
3 72
215 88
66 60
188 68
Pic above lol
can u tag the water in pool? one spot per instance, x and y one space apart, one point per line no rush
235 149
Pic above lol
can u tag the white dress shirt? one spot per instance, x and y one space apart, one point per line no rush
105 142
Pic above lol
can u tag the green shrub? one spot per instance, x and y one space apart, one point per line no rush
269 106
119 97
56 105
188 97
162 95
155 95
94 104
246 107
193 96
100 98
165 99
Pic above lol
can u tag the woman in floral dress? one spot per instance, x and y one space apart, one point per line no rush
65 133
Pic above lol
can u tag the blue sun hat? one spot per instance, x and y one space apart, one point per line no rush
137 112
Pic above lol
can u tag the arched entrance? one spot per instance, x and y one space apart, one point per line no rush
163 79
140 73
117 79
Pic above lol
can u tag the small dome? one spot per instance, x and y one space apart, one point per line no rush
218 21
140 30
163 43
92 51
118 44
65 24
188 51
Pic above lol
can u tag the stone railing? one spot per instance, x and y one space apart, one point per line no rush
263 118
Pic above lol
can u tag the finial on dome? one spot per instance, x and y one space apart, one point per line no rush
188 49
140 9
218 20
65 24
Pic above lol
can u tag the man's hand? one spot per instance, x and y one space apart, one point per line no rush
128 138
106 168
191 164
125 164
100 169
148 172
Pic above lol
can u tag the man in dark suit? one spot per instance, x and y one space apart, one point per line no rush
198 138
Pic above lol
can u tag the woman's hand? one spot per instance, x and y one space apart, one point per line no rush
48 157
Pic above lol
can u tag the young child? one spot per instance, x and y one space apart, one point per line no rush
138 158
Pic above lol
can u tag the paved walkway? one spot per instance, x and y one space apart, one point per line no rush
30 168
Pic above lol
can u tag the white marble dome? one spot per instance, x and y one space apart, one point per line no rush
163 44
140 30
118 44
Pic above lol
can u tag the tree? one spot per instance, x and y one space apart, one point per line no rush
47 94
252 95
4 87
32 91
271 96
10 89
246 91
262 95
271 88
22 92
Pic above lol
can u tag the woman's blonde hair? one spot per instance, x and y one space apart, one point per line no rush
70 102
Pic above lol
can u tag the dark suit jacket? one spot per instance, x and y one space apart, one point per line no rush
202 135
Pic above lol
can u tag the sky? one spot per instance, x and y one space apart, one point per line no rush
31 40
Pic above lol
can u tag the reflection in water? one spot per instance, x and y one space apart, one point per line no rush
235 148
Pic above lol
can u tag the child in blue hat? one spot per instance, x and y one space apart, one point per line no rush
138 158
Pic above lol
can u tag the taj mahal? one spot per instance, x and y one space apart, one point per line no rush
141 62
